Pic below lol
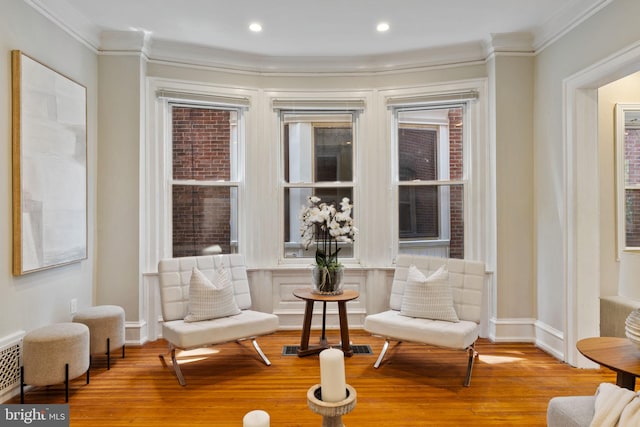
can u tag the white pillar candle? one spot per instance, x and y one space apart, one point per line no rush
256 418
332 380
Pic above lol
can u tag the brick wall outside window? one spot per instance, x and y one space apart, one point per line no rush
456 247
201 151
632 197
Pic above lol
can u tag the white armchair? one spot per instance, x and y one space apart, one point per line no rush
174 276
466 280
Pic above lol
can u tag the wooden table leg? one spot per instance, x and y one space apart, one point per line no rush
625 380
306 327
304 349
344 329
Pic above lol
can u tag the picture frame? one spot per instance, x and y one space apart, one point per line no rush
49 166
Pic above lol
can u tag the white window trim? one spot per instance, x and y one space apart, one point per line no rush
478 158
283 101
156 223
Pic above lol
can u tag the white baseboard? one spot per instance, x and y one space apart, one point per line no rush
550 340
136 333
512 330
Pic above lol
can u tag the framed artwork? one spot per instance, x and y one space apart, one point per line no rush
49 126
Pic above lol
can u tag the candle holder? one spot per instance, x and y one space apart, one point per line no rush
331 412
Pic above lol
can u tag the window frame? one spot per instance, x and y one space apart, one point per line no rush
311 106
234 168
433 101
621 185
157 226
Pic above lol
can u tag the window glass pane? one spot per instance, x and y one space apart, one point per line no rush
631 155
632 177
203 220
204 149
431 220
295 200
430 144
204 143
318 147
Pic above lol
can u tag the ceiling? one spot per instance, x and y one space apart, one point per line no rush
340 29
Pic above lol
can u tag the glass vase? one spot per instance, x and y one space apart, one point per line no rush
326 281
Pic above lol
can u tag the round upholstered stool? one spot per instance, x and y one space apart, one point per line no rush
54 354
106 328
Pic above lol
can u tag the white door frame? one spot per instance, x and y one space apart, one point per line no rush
581 190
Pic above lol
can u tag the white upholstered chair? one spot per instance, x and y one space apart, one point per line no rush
466 279
174 277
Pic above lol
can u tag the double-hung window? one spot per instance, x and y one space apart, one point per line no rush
318 160
628 171
204 177
429 176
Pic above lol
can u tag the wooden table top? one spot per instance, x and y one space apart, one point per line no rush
617 354
306 294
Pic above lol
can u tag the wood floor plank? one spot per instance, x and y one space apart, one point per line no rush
415 386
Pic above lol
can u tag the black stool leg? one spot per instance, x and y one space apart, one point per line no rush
66 382
108 353
123 346
21 384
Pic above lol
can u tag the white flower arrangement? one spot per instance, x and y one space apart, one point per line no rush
329 226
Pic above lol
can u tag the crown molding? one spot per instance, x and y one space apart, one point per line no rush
113 42
569 17
171 52
510 43
181 54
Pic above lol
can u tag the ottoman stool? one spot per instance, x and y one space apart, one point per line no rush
54 354
106 329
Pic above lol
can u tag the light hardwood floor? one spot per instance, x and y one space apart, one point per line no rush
415 386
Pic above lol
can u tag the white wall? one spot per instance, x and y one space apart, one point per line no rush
37 299
121 133
515 295
567 224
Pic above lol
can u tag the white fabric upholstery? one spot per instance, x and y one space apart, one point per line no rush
466 279
571 411
217 331
428 297
174 276
391 324
208 300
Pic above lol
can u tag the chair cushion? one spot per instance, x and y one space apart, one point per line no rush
428 297
248 323
210 300
571 411
456 335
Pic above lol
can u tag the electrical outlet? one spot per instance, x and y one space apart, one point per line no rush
73 306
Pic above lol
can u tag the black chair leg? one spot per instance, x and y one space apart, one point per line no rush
66 383
22 384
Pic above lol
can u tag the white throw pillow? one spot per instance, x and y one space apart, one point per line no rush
210 300
428 297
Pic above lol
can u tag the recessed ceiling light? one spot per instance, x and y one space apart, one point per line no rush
382 27
255 27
